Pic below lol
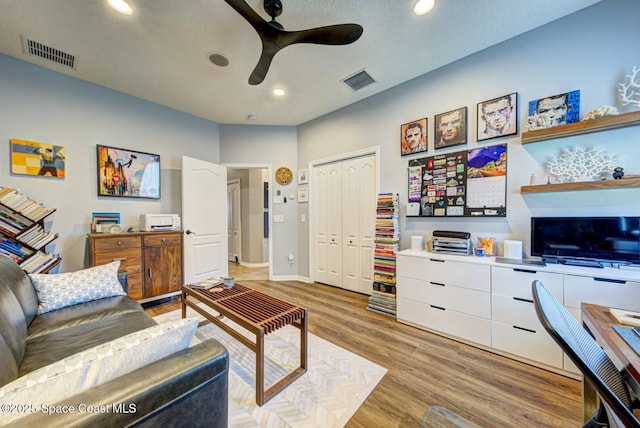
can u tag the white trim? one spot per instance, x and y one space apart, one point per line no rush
236 181
253 265
292 278
374 150
268 167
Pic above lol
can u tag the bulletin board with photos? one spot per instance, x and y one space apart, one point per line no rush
466 183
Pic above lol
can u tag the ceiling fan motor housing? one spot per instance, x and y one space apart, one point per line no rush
273 8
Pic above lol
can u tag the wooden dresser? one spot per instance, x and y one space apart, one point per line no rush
152 259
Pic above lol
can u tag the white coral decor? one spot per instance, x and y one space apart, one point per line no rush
582 164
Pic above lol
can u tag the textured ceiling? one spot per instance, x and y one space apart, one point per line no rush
160 53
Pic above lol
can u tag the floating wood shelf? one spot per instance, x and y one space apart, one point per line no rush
624 183
584 127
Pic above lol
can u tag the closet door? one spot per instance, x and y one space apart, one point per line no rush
358 223
320 232
327 213
334 224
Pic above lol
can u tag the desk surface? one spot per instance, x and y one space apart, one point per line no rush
600 323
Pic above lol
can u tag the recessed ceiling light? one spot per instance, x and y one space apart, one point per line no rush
279 92
423 7
252 117
218 59
121 6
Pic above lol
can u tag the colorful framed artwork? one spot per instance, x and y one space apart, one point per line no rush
498 117
554 110
413 137
128 173
39 159
451 128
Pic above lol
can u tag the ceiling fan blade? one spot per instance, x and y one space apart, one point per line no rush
341 34
246 12
260 71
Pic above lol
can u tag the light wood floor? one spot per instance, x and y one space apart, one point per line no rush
426 369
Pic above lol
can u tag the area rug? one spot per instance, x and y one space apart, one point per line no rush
335 385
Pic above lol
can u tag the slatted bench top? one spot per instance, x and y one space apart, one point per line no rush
262 310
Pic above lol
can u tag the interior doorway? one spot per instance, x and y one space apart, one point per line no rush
249 222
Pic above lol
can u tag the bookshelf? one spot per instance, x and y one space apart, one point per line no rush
23 237
387 236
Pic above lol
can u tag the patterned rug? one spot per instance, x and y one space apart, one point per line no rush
335 385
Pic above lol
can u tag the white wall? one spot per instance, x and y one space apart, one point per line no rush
591 50
44 106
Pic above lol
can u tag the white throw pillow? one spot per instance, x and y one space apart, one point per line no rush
87 369
60 290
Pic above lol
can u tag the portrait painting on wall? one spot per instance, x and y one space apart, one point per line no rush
554 110
128 173
498 117
451 128
34 158
413 137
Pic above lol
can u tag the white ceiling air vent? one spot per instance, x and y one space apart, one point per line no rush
48 53
358 80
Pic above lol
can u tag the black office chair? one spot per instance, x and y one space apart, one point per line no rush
615 399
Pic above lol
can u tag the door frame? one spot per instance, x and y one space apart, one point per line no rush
268 167
375 151
236 182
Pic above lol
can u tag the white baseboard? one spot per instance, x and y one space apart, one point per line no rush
253 265
292 278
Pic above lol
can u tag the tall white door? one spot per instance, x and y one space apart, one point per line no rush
234 225
358 213
344 220
204 219
320 232
328 225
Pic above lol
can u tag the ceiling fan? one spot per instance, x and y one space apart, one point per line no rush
274 37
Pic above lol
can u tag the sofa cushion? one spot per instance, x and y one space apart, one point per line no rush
97 365
57 291
13 329
16 279
49 348
81 314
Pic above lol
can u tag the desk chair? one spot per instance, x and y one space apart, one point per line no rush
593 362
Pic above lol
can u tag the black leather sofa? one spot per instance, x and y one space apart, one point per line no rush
187 388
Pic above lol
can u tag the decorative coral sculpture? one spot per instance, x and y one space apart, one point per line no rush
582 164
630 90
601 111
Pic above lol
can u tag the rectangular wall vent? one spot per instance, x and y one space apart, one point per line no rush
48 53
358 80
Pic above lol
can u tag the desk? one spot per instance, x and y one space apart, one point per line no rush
599 321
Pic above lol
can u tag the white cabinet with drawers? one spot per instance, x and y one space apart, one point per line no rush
446 296
490 304
515 325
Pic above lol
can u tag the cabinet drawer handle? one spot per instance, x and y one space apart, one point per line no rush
524 329
615 281
438 307
436 260
437 283
520 299
524 270
150 273
164 240
119 243
121 259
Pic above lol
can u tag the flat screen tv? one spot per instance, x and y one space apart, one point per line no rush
614 239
